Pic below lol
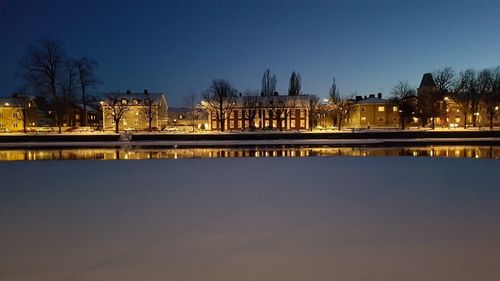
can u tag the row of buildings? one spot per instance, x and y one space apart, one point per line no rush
144 111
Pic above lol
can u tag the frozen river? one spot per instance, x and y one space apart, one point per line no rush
314 218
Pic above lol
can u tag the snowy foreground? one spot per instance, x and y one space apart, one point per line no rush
359 219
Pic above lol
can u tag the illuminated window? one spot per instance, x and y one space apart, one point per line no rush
457 119
240 124
292 124
77 116
302 113
394 109
275 124
363 119
124 101
231 124
381 109
302 123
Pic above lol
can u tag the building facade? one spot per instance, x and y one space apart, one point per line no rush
373 112
136 107
16 112
286 113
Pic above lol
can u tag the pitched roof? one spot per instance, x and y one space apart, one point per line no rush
427 81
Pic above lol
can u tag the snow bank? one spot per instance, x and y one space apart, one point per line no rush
373 219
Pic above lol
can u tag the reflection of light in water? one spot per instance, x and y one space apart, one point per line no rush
176 153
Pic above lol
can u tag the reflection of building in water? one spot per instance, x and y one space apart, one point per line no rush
186 153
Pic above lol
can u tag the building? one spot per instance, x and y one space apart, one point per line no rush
185 117
278 112
17 112
373 112
137 108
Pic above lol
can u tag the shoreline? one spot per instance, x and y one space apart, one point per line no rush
242 144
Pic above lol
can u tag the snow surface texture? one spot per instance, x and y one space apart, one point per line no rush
369 219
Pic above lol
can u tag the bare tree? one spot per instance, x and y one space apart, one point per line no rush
190 102
252 104
220 98
26 109
295 84
269 82
464 92
404 97
334 102
490 86
115 108
41 68
86 80
344 110
313 110
149 110
281 108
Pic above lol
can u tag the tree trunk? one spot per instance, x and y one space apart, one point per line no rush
117 124
465 120
150 126
491 122
433 123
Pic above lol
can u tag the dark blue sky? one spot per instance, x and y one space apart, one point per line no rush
179 46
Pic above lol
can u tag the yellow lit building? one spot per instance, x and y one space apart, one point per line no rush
134 118
373 112
12 113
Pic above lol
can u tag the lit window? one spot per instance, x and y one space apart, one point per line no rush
302 113
240 124
381 109
124 101
457 119
363 119
302 123
77 116
394 109
292 124
231 124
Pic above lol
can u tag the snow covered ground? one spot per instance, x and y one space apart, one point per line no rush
359 219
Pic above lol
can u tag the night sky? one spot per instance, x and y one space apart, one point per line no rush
179 46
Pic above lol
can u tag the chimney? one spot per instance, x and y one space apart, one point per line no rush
379 95
128 91
372 95
145 91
